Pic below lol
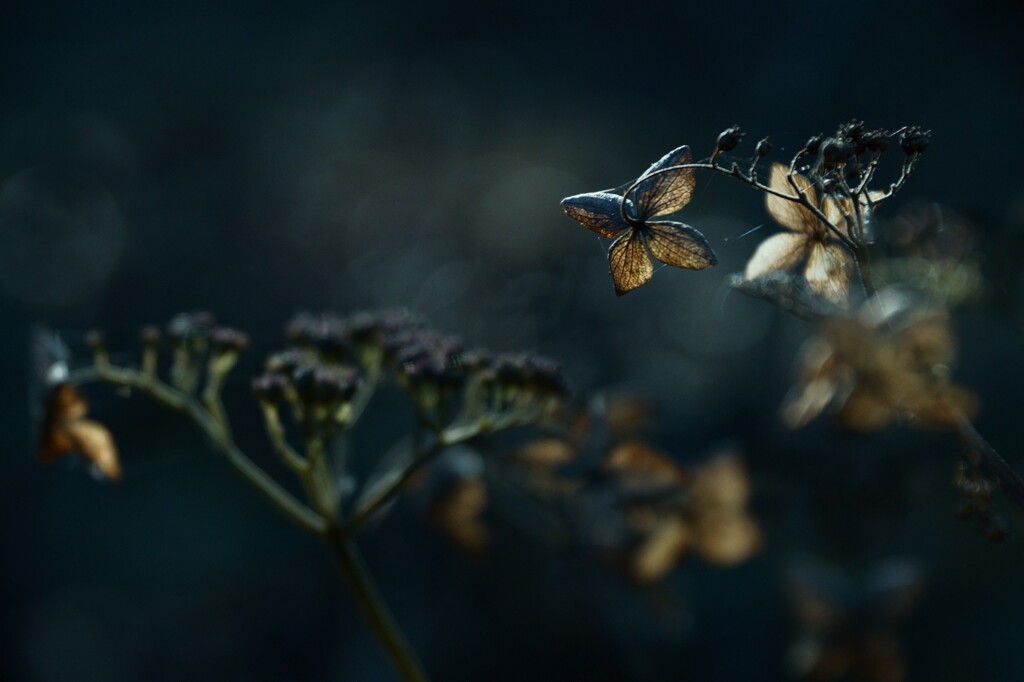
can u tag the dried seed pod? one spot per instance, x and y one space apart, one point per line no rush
729 138
67 431
269 388
813 145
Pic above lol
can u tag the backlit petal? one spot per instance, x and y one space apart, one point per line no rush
630 265
679 245
779 252
598 212
666 192
791 214
828 272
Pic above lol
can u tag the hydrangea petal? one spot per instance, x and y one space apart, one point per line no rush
679 245
630 265
599 212
666 192
779 252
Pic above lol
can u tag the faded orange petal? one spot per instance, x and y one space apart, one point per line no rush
634 458
721 485
546 453
801 409
458 514
865 411
828 272
790 214
66 431
95 443
630 265
679 245
727 539
661 550
779 252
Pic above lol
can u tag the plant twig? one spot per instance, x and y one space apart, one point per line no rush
1010 482
372 607
179 401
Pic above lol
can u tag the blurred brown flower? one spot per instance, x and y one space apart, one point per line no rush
673 511
66 431
849 622
889 362
828 265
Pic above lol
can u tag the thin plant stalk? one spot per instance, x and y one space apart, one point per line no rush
373 608
364 593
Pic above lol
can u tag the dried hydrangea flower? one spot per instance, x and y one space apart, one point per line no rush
67 431
827 265
889 362
659 191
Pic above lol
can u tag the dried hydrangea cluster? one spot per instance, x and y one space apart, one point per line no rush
635 505
670 512
823 197
890 362
333 361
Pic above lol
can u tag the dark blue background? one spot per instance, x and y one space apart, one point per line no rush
260 159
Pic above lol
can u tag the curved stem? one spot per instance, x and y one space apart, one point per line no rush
373 609
179 401
1009 480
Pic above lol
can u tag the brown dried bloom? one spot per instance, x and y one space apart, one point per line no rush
662 190
828 265
889 362
673 511
67 431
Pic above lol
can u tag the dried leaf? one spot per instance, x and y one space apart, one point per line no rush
787 291
66 431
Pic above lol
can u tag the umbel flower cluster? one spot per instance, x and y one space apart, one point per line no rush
322 382
312 395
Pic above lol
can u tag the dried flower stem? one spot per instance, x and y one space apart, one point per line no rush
372 607
181 402
1011 483
321 522
453 435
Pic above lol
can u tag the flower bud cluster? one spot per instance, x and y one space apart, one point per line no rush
848 151
434 368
